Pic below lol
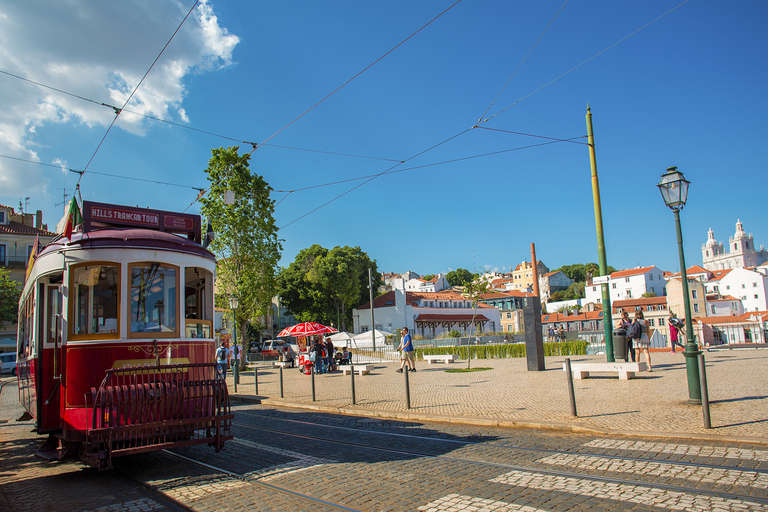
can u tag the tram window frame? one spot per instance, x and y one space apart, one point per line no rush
175 304
200 289
73 306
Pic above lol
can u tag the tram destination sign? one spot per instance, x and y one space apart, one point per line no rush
100 215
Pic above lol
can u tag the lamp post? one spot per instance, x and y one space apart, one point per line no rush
674 190
233 303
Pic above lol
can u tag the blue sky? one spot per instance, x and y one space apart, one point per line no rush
687 89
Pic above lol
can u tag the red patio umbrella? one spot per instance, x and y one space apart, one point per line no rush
306 329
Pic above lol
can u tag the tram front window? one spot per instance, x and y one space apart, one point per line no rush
153 299
95 290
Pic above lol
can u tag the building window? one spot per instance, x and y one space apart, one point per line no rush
755 295
651 321
695 308
626 279
2 217
629 294
662 322
2 254
754 285
509 315
743 285
650 276
694 295
712 309
650 308
728 287
613 285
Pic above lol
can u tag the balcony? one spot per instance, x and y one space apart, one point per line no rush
14 262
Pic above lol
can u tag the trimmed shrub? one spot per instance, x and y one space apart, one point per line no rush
568 348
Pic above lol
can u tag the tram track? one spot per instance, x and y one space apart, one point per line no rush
523 468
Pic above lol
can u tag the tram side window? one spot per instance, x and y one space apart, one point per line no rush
25 340
198 302
153 298
95 289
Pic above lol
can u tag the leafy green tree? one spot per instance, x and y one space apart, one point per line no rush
324 285
575 291
9 299
246 242
648 294
428 277
578 271
460 277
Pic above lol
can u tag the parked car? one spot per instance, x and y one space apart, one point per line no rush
8 362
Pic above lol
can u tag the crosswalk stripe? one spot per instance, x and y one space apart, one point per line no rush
681 449
628 493
670 470
461 503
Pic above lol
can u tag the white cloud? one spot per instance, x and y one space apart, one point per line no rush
99 51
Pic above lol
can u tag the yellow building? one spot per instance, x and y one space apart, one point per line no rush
522 276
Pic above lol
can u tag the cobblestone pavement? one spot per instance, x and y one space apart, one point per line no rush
653 403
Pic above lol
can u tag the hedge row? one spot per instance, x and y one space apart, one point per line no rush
568 348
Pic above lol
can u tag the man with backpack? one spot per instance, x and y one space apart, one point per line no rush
675 325
221 359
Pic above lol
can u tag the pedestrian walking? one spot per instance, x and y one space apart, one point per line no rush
221 359
317 350
406 345
330 363
234 356
625 323
640 336
674 329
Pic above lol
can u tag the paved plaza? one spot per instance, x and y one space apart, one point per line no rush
653 403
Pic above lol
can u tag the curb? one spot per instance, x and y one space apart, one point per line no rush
486 422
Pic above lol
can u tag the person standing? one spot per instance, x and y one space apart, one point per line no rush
625 323
318 350
674 332
643 342
234 356
406 345
221 359
329 350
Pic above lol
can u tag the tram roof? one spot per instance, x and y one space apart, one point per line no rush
128 238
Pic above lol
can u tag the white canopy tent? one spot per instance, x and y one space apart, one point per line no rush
363 340
342 339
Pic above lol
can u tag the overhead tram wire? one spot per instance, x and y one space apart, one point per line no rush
357 75
117 111
522 62
102 173
187 127
395 171
584 62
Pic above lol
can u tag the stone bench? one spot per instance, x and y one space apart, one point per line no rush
445 358
282 364
362 369
626 371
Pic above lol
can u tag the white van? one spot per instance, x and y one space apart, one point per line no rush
8 361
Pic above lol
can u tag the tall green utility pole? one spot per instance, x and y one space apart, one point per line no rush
602 261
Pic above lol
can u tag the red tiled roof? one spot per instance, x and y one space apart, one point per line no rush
17 228
508 293
581 317
631 272
714 297
719 274
436 317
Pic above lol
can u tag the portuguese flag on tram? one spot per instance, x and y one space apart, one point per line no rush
70 219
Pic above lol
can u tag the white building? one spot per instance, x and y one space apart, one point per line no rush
748 285
428 314
629 284
436 284
741 251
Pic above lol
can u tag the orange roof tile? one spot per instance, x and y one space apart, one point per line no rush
631 272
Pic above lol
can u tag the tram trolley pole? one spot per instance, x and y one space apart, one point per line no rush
571 394
352 374
704 391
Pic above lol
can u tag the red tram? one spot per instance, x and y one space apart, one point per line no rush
116 342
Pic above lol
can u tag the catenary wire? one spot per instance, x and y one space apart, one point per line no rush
135 89
522 61
584 62
101 173
359 73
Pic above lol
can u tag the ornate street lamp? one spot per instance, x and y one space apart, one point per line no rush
233 303
674 190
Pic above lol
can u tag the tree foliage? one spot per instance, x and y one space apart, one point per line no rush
579 273
246 242
474 291
460 277
9 299
324 285
428 277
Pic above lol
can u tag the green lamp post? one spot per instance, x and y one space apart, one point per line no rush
674 190
233 303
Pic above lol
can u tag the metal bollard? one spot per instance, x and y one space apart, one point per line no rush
256 378
704 391
407 390
313 384
571 394
281 382
352 373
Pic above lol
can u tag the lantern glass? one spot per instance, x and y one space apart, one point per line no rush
674 188
233 302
